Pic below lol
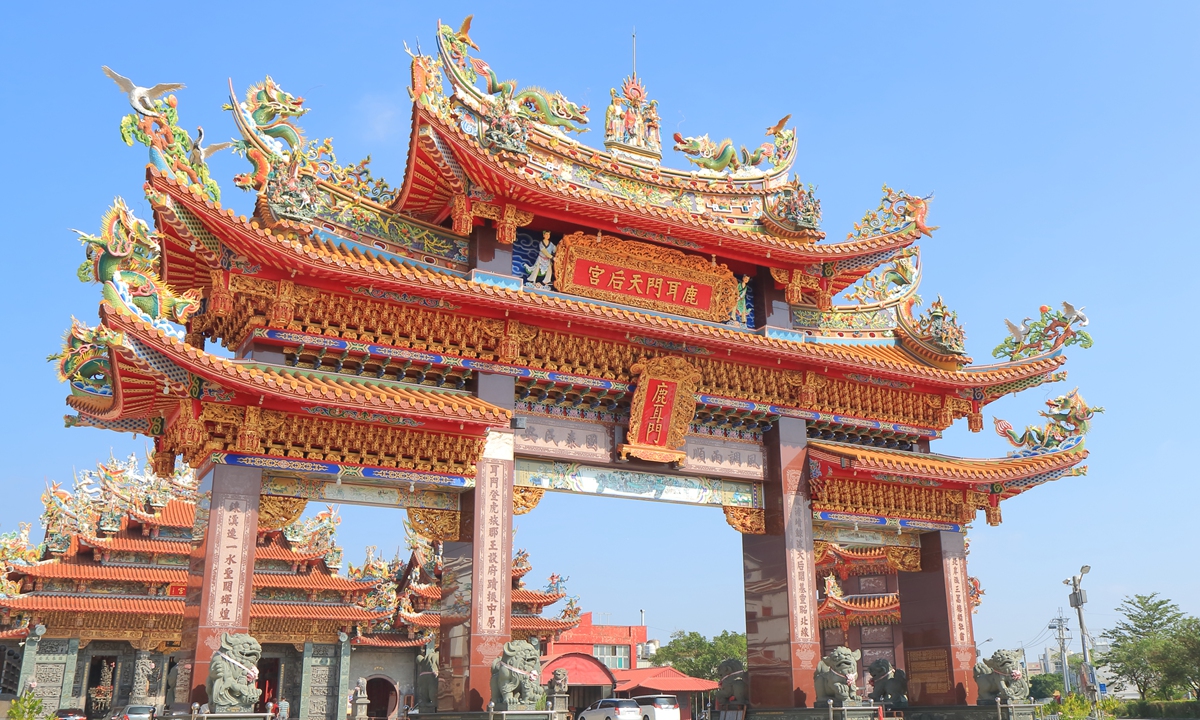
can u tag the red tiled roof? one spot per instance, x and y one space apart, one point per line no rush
855 458
433 592
139 544
387 640
95 571
176 513
660 679
582 669
15 634
274 551
533 597
528 622
302 611
70 603
313 581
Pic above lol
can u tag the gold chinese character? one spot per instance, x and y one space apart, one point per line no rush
673 289
660 395
689 295
595 272
617 281
654 285
635 283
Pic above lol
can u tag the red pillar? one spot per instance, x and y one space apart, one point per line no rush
939 642
491 581
782 635
229 498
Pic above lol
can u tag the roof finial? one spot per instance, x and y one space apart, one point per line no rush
635 51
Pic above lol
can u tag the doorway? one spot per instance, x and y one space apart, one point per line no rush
101 672
381 698
268 683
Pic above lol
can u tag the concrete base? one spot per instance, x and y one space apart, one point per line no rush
484 715
971 712
861 712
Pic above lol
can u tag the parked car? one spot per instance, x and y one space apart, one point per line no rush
658 707
70 714
612 709
134 712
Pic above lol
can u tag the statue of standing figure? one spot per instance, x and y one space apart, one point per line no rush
541 272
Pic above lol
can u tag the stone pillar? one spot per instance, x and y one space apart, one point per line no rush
68 691
305 681
29 657
782 635
935 612
229 495
343 675
143 666
491 602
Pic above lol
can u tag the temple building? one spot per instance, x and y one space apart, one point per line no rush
526 314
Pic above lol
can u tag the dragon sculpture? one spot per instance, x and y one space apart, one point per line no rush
999 678
892 281
83 360
721 157
1070 418
1054 329
268 113
124 258
535 103
233 674
898 213
836 677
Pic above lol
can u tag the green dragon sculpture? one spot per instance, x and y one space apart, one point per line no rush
268 112
1070 418
83 360
722 156
534 103
124 258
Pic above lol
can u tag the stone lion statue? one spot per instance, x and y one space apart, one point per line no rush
427 679
558 683
733 693
999 677
889 685
232 675
517 677
836 678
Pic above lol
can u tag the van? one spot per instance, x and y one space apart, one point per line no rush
658 707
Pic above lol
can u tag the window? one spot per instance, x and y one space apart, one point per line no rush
615 657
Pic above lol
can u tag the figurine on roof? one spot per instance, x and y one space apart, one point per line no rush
631 122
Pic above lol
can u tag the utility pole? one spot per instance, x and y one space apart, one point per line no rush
1060 624
1078 599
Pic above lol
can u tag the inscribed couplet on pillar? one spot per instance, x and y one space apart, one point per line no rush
662 408
228 571
802 583
493 548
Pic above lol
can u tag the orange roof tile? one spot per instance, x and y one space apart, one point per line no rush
71 603
309 386
387 640
884 604
941 467
305 611
139 544
660 679
430 619
312 581
176 513
533 597
530 622
95 571
15 634
433 592
273 551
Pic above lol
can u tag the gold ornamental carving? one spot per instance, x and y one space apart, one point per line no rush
526 499
434 524
645 276
800 288
662 408
747 521
276 512
903 559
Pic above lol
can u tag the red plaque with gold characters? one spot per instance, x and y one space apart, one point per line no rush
663 405
645 276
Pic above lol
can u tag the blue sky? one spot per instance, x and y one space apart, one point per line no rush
1060 139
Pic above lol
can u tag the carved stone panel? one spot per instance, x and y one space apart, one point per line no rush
720 456
320 675
55 646
555 437
49 674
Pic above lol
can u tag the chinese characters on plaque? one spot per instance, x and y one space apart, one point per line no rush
492 558
230 551
662 408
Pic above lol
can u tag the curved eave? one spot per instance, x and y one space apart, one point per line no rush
832 606
863 463
137 391
295 388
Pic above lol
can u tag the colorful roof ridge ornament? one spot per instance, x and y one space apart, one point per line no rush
1053 330
631 123
1070 419
722 158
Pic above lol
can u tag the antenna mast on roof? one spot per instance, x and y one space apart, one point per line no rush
635 52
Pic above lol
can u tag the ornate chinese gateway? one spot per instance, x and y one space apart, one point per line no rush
525 313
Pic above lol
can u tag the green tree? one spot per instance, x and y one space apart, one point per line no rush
26 707
693 654
1137 642
1180 656
1045 685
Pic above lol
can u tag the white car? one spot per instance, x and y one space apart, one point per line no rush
612 709
658 707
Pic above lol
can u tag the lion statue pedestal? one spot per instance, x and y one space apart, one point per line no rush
836 678
999 678
232 675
